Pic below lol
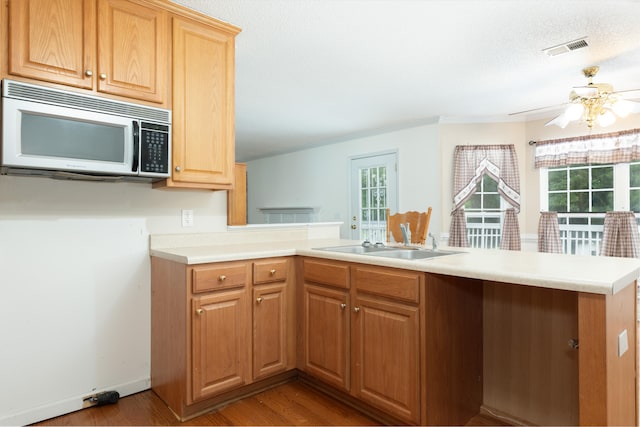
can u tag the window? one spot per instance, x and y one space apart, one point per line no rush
582 194
373 203
484 215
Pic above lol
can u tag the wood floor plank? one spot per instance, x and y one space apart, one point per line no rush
289 404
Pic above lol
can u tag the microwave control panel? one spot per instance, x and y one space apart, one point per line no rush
154 148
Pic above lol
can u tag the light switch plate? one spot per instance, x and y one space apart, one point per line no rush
623 343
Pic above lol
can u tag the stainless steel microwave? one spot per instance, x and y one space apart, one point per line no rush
70 135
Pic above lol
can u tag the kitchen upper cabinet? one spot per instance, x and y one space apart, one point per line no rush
203 105
117 47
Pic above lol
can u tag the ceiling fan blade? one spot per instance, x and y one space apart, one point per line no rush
561 121
539 109
585 91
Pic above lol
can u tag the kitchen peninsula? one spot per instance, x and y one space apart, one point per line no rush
530 337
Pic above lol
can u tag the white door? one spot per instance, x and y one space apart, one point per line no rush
374 187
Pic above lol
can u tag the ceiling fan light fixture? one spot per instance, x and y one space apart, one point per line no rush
574 112
622 107
606 118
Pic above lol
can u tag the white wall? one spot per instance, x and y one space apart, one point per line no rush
319 177
75 287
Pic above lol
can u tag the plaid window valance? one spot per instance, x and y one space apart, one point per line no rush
471 162
616 147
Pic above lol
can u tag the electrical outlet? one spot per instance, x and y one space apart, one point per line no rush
187 217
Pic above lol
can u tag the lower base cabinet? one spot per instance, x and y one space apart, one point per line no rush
362 333
216 328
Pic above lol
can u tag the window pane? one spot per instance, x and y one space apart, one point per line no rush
634 175
635 200
557 180
602 201
558 202
364 202
364 178
374 177
374 214
374 198
579 202
383 197
382 176
491 201
580 221
579 179
492 220
473 202
490 185
382 214
602 177
597 221
474 220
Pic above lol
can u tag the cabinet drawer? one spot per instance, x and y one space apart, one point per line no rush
401 285
269 271
216 277
326 272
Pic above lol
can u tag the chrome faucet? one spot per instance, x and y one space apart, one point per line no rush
434 242
406 234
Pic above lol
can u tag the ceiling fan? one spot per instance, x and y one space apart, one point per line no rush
595 103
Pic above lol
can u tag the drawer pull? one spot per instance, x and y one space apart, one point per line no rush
222 278
343 306
199 312
273 272
259 300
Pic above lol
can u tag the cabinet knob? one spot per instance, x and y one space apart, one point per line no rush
343 306
273 272
199 312
88 73
259 300
222 278
356 309
103 76
574 344
178 169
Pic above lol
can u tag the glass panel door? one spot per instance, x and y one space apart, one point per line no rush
373 190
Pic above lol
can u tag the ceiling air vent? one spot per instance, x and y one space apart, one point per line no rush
566 47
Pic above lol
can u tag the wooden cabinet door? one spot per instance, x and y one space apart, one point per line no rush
386 351
326 335
53 40
269 329
203 106
133 50
221 342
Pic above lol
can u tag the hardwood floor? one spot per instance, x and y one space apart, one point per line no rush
291 404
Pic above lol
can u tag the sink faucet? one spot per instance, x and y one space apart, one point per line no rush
434 242
406 233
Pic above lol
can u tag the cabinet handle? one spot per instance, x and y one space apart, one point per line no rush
103 76
343 306
199 312
356 309
259 300
178 169
88 73
273 272
574 344
222 278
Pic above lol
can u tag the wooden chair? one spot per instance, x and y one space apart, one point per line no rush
418 224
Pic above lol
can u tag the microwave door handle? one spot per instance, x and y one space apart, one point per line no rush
136 146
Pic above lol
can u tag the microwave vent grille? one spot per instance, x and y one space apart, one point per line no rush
91 103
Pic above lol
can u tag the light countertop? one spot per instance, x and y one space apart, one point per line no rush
593 274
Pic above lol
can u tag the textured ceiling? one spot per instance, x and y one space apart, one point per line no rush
312 72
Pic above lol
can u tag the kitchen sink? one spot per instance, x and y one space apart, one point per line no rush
397 252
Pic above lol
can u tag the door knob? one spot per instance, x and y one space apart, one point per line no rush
103 76
88 73
353 227
343 306
356 309
199 312
259 300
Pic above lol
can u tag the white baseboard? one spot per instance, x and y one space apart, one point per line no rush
55 409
